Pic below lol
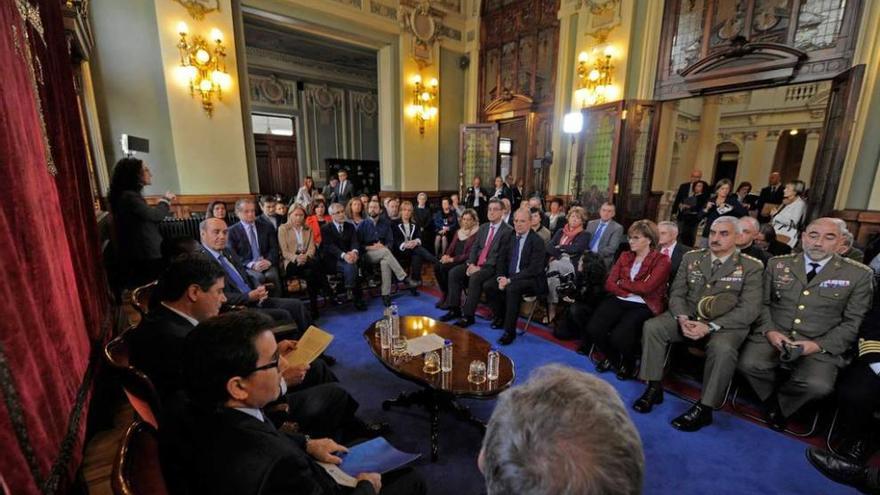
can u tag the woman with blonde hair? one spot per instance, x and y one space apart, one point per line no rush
298 253
637 287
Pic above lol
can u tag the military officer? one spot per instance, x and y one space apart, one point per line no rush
720 269
814 300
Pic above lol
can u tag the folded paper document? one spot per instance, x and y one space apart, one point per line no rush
309 347
374 456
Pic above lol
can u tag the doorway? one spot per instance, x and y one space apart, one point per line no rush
275 149
726 162
514 162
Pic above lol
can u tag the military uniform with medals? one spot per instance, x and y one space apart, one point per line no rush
739 275
826 309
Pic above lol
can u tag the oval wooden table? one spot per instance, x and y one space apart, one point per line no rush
441 390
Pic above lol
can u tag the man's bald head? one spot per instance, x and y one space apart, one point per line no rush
213 232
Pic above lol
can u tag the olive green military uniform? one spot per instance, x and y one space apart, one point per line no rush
827 310
740 275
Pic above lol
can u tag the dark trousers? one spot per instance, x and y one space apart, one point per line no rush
616 327
309 273
858 394
297 310
417 256
476 284
405 481
505 303
441 273
349 273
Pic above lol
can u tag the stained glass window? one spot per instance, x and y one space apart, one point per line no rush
689 36
595 178
819 24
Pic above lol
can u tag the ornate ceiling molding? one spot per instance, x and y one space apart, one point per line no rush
425 25
197 9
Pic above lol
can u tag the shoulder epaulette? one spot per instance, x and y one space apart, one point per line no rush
868 347
856 263
791 255
749 257
697 251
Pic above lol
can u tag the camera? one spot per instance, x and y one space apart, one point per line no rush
567 289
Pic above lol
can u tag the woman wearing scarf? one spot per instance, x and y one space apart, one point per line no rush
565 250
458 250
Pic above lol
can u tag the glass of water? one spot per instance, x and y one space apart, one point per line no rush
384 333
398 345
477 372
432 363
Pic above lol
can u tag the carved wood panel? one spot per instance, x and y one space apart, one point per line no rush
818 36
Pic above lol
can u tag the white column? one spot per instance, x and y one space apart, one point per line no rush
770 151
809 160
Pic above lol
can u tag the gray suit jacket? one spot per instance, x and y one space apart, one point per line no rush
610 240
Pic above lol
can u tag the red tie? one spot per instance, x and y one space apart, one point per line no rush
665 252
485 252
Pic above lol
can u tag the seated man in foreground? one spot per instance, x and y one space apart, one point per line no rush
233 370
588 447
238 287
813 305
719 270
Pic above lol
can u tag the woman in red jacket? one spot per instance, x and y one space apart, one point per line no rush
637 287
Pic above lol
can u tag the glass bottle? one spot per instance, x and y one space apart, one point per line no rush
446 357
493 362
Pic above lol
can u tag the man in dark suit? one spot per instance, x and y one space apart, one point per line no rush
239 288
520 272
745 240
516 191
480 270
605 234
255 243
507 213
772 195
267 207
685 190
477 198
670 247
345 189
233 370
340 251
329 190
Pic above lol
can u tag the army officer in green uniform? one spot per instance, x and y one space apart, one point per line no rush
814 301
720 271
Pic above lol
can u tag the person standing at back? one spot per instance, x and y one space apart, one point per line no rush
686 190
345 189
138 239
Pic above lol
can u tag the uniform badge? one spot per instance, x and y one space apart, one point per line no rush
787 270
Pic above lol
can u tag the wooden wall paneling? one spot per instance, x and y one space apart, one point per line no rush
277 168
863 224
185 204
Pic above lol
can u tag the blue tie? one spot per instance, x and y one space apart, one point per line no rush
594 244
230 270
252 239
514 260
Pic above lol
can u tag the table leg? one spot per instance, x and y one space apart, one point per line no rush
434 408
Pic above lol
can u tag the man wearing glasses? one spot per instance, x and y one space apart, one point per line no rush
232 371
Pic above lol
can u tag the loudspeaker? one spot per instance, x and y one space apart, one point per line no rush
134 144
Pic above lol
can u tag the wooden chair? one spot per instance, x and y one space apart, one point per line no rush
140 297
137 470
137 386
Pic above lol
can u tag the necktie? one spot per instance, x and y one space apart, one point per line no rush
812 273
236 277
594 243
514 259
339 228
485 252
665 252
252 239
715 265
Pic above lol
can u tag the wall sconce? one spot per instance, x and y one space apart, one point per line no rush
202 67
595 84
424 101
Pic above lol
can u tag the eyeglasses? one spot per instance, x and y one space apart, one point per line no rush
268 366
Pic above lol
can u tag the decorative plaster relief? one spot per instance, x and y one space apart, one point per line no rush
272 91
383 10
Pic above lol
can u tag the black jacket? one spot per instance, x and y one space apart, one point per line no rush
677 254
400 237
499 244
137 226
236 454
575 249
334 244
157 348
532 262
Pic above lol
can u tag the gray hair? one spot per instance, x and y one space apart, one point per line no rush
334 207
203 225
239 203
752 222
667 223
848 239
841 225
563 432
737 228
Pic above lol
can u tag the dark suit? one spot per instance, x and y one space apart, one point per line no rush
516 197
267 239
272 220
677 253
684 190
344 191
769 196
417 255
475 283
504 192
279 308
157 350
471 198
138 238
333 245
528 280
756 252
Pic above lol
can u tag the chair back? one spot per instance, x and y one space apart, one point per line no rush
137 470
137 386
140 297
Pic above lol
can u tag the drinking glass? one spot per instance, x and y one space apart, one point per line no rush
384 333
477 372
398 345
432 363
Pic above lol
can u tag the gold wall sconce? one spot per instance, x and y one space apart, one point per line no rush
202 67
595 84
424 101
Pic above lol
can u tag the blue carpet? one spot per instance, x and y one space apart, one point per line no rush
731 456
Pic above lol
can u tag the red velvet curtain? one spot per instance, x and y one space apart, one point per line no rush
53 302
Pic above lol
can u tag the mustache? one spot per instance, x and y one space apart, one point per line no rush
714 243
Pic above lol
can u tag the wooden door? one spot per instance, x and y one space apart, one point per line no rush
836 130
276 164
517 131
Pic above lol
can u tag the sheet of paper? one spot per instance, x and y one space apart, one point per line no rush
309 347
423 344
338 475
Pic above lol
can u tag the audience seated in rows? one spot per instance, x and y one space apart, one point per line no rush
536 223
445 225
255 243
